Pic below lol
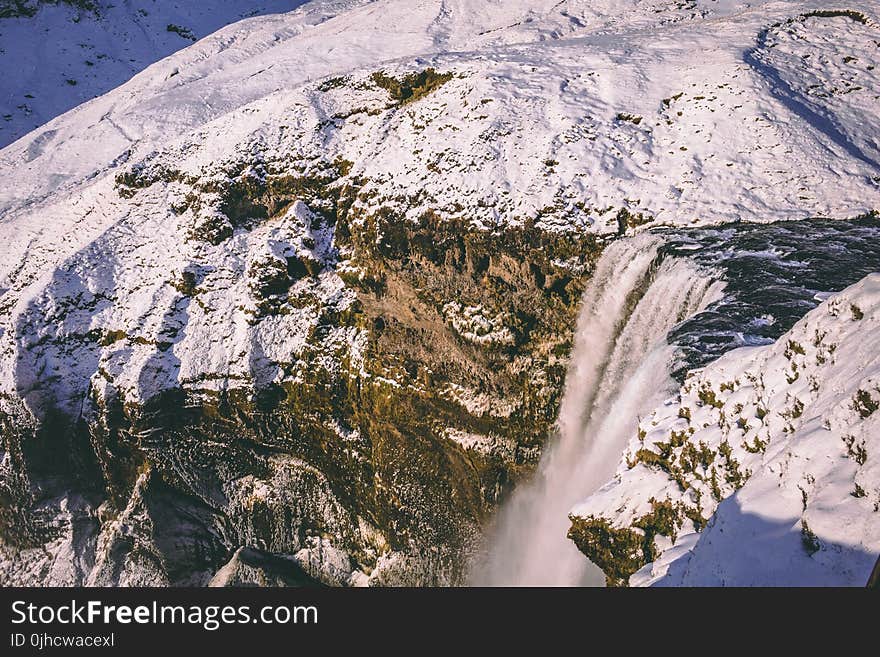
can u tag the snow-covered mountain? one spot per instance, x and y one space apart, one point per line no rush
308 286
58 54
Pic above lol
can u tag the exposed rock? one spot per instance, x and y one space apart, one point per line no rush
345 442
249 567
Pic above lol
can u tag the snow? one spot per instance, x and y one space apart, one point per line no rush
560 84
618 370
485 445
559 143
472 324
64 55
478 402
798 419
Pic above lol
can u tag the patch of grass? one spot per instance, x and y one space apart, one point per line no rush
757 446
857 16
714 486
184 32
691 457
110 337
707 396
630 118
333 83
864 404
808 539
627 219
620 552
856 452
793 348
411 87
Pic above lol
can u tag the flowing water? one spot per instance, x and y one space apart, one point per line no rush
657 305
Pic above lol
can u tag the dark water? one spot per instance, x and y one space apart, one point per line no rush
775 274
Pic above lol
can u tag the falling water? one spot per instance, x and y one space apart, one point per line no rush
619 368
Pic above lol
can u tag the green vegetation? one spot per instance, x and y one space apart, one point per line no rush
864 404
707 396
627 220
184 32
692 457
333 83
856 16
796 410
411 87
757 446
793 347
620 552
808 539
401 472
856 451
630 118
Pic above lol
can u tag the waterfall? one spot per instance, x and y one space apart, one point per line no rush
619 368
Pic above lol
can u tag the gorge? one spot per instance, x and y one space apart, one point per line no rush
376 292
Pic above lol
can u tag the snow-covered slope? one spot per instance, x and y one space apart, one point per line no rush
595 64
57 55
763 471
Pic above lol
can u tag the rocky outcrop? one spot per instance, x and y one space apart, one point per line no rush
874 580
428 364
249 567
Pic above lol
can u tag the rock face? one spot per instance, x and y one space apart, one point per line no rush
249 567
874 582
764 470
324 369
395 427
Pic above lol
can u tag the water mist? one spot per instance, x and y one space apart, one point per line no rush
619 369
